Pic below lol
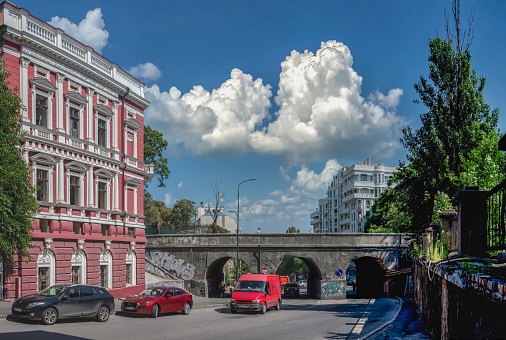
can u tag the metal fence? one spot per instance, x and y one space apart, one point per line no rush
496 215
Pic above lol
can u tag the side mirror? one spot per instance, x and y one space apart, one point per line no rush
65 297
167 296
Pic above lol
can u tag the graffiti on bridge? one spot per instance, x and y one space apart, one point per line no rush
165 260
333 289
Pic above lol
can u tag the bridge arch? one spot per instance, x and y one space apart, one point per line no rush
202 257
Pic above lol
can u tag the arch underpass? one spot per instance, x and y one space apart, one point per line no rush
201 260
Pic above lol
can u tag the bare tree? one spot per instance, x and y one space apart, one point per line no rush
219 197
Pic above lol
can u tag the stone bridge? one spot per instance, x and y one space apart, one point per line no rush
200 259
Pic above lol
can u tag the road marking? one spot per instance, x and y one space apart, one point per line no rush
359 325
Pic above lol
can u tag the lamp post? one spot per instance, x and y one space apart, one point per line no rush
237 250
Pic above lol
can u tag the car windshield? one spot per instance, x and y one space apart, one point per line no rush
291 285
154 292
253 286
53 290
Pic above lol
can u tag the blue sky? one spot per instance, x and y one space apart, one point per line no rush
283 91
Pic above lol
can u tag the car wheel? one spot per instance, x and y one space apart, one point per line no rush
103 314
278 305
154 311
264 309
49 316
186 308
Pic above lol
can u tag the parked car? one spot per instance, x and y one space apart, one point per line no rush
158 300
291 289
303 283
63 301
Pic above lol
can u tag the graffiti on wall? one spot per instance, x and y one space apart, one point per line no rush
183 269
333 289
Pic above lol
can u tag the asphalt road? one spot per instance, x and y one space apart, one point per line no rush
298 319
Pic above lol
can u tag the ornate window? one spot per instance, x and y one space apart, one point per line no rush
75 183
43 167
42 94
131 261
78 262
103 184
45 269
103 116
106 269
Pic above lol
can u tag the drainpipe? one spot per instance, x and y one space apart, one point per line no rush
124 156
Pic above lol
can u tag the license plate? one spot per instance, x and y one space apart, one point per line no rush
16 309
241 306
130 308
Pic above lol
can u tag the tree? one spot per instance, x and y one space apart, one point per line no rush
154 145
183 213
18 204
157 214
218 198
456 132
292 230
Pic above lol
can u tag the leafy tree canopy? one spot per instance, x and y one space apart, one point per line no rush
292 230
18 204
157 214
183 213
154 145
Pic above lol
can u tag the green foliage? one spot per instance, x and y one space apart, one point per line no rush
292 230
292 265
154 145
456 144
157 214
18 204
213 229
441 203
183 213
437 249
388 214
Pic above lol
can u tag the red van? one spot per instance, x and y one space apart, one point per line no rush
256 292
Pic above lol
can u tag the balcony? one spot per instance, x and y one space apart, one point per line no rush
149 169
356 196
42 132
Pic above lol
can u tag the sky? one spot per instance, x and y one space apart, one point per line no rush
284 91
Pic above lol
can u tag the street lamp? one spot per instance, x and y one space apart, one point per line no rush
237 250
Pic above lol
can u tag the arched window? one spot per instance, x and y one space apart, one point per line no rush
106 269
45 269
131 273
78 262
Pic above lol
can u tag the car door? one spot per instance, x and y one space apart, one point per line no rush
164 301
70 304
89 300
178 300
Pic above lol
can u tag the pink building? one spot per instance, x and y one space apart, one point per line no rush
84 125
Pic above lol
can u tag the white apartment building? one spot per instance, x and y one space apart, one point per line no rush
350 197
205 217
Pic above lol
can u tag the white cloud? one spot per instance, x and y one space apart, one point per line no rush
180 185
147 71
90 31
321 114
210 123
284 173
169 200
313 184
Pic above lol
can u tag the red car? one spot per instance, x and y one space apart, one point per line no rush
157 300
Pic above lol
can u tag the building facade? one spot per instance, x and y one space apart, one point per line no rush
350 197
84 128
205 217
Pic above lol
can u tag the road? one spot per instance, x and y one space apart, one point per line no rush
298 319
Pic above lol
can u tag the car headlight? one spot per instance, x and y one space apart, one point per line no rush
144 303
35 304
255 301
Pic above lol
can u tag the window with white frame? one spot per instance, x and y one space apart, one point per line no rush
103 120
78 262
130 273
42 185
42 93
41 110
74 118
45 269
103 183
106 269
43 168
75 183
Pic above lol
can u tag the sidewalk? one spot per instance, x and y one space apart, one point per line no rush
198 302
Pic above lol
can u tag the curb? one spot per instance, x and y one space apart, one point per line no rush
387 323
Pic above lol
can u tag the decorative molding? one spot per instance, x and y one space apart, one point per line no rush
132 245
80 244
108 245
47 242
